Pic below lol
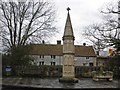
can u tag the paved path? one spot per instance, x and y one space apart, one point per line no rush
54 83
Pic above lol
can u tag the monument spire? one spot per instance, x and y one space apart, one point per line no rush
68 30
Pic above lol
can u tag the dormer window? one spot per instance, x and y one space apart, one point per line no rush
53 56
87 58
41 56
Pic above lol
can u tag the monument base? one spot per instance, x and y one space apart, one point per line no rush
68 80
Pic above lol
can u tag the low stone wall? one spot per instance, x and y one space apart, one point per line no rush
48 71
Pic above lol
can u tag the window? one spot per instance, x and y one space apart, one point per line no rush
90 64
52 63
53 56
84 64
87 58
41 63
41 56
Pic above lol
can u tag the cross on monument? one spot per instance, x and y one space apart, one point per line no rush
68 9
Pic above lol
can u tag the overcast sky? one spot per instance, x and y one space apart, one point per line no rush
82 13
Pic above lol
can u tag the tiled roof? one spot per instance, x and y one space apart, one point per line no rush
52 49
84 51
46 49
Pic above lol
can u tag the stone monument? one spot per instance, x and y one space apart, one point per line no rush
68 74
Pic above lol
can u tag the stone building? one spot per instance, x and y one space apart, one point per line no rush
52 54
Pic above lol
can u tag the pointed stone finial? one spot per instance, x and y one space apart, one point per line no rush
68 31
68 9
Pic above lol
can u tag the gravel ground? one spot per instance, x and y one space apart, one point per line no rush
54 83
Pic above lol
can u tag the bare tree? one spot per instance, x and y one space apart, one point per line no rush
26 22
102 34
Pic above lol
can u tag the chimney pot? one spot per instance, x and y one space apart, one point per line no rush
43 42
84 44
59 42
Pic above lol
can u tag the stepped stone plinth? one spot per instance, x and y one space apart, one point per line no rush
68 80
